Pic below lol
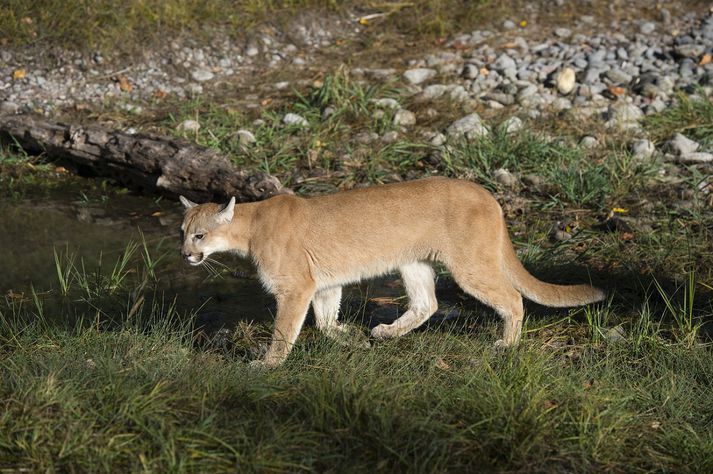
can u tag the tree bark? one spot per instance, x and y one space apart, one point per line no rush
151 162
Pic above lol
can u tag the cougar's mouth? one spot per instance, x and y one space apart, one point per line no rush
195 260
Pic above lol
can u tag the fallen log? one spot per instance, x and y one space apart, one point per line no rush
152 162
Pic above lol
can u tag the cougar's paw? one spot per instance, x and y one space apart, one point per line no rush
383 331
501 346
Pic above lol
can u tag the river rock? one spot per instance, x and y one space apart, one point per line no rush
245 137
624 115
202 75
681 146
404 118
386 103
188 126
433 91
588 142
471 126
7 107
505 178
513 125
295 119
565 81
419 75
642 149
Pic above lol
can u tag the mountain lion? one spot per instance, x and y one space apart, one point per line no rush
306 249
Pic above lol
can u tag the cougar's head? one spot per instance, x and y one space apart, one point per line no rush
205 229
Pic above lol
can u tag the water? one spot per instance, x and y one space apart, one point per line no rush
94 224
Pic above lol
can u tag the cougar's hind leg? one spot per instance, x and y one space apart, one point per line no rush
418 278
486 281
326 310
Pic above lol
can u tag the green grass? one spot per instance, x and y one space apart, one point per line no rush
144 397
131 24
689 116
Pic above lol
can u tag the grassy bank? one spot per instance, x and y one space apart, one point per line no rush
140 397
101 373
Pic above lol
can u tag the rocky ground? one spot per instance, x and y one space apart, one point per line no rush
616 72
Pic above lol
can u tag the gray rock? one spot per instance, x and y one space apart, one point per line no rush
501 98
588 142
681 146
365 138
433 91
404 118
696 157
470 126
188 126
509 25
419 75
470 71
624 115
386 103
565 80
295 119
7 107
245 137
561 103
202 75
693 50
615 335
647 28
513 125
505 63
560 235
505 178
437 140
642 149
617 76
328 112
563 32
390 137
458 94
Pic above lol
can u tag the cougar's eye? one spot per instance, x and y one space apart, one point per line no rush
198 236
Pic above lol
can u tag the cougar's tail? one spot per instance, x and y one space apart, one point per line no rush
546 294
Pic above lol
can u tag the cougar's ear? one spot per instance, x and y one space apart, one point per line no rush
226 215
186 203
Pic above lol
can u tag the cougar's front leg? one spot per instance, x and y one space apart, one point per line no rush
292 308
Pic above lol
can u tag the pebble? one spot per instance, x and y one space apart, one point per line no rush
513 125
433 91
418 76
696 157
7 107
615 335
245 137
565 80
588 142
642 149
404 118
470 125
647 28
681 146
390 137
295 119
505 178
624 115
438 139
202 75
386 103
188 126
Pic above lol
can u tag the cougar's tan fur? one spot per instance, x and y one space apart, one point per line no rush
306 249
